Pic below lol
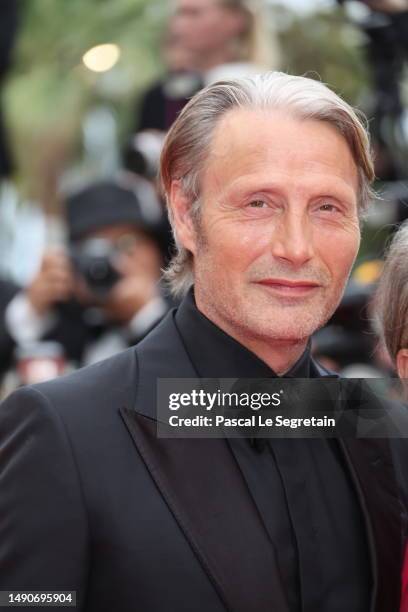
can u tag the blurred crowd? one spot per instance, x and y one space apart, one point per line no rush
99 289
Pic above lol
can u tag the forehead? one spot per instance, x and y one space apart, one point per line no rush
250 143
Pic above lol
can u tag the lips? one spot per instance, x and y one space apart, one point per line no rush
288 287
282 282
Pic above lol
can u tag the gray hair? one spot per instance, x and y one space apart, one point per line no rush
391 300
188 143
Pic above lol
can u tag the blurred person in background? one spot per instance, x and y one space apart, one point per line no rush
390 307
161 103
228 38
348 344
103 294
8 28
385 28
8 290
206 41
140 166
391 302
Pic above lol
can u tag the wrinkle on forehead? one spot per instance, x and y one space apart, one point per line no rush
249 143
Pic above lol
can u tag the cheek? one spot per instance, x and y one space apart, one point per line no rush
338 251
235 249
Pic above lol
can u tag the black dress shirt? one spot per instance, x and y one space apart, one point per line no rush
301 487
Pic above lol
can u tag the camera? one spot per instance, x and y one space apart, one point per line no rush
94 261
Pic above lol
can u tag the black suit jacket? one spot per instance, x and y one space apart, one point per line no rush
92 501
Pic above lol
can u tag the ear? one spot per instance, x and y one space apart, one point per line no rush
402 363
180 207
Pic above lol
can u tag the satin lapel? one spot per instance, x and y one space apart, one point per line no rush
208 497
372 469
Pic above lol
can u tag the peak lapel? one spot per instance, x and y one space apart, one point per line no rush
208 497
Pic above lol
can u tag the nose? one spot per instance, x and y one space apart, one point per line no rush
292 239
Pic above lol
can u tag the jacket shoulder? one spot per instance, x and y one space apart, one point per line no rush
107 383
114 382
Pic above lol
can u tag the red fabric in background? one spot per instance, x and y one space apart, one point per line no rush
404 589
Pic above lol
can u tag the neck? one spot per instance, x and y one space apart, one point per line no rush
279 354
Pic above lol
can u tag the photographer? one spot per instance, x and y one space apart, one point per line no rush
103 294
385 28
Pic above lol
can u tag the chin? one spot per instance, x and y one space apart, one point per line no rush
289 335
296 328
284 332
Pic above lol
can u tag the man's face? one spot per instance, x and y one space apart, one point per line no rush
279 229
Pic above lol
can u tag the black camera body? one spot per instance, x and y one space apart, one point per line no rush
94 260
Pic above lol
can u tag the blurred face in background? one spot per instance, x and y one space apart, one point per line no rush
177 57
206 25
135 255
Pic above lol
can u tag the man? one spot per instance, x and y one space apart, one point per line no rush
101 295
264 179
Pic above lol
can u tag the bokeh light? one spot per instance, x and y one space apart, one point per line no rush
102 57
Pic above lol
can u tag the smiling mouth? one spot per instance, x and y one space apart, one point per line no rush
289 288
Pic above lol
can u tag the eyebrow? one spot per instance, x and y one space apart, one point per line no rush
343 192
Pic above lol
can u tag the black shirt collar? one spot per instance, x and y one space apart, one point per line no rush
215 354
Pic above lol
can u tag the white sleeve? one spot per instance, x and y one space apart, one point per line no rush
147 316
23 323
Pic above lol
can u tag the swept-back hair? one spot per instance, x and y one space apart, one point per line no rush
188 143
